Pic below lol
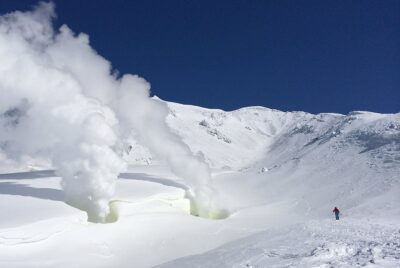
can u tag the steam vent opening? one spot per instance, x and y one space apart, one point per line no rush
113 214
111 217
186 204
212 214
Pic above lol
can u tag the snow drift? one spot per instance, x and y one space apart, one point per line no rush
60 99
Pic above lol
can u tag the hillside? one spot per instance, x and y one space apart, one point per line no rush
329 158
278 174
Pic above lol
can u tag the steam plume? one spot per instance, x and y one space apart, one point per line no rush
60 99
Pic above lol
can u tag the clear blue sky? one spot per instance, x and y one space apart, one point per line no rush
314 56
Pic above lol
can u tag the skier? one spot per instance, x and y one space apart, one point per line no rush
336 211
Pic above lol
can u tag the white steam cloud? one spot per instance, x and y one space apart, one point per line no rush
60 99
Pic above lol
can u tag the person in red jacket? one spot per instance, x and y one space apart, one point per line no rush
336 211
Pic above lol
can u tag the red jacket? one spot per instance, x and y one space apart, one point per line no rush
336 210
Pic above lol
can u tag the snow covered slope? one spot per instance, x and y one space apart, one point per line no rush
278 173
239 138
314 162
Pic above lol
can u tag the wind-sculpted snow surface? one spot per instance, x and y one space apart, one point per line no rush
315 244
60 100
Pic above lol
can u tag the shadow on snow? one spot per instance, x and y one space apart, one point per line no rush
13 188
16 188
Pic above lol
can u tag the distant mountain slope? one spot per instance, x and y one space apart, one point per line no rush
241 138
337 158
